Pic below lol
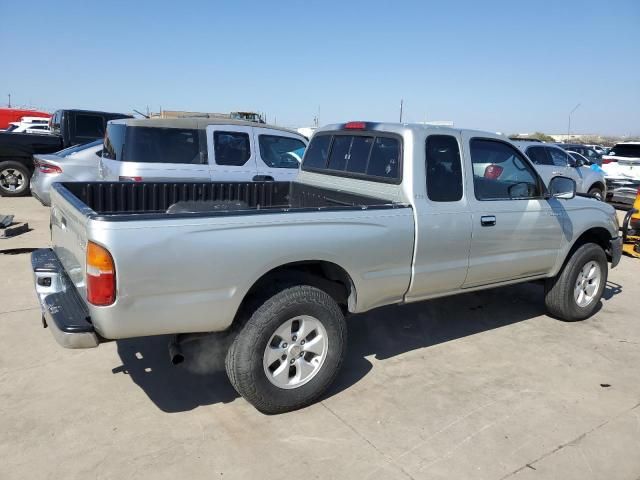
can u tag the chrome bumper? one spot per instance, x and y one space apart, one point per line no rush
63 310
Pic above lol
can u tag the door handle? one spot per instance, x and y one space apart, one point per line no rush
263 178
488 220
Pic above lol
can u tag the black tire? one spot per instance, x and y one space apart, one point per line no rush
559 292
6 169
244 361
596 193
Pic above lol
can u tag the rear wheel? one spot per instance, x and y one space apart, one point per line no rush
575 292
14 179
596 193
289 351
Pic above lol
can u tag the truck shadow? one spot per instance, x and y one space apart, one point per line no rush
383 333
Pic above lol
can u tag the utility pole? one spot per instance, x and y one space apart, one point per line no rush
401 102
569 126
9 100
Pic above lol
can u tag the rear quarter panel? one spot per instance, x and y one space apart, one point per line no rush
190 275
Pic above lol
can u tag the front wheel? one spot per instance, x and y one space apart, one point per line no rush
575 292
289 351
14 179
596 193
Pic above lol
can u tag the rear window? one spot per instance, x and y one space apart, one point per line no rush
622 150
89 126
370 157
152 145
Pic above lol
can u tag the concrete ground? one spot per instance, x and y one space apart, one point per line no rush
482 386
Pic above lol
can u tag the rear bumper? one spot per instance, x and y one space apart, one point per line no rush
63 310
622 190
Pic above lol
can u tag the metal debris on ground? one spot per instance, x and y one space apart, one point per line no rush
5 220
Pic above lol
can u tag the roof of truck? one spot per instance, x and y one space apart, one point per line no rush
400 128
195 123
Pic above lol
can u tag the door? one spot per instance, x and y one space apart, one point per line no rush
517 233
563 166
279 154
443 220
232 155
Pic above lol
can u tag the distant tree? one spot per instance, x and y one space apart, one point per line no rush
537 136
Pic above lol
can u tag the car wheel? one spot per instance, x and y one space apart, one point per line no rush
14 179
289 351
575 292
596 193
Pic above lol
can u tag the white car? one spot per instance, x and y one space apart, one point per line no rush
551 161
622 172
199 149
30 125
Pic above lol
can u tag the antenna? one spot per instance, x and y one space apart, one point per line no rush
401 102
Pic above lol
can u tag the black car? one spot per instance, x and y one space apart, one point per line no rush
68 128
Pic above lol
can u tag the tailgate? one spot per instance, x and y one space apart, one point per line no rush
629 168
69 236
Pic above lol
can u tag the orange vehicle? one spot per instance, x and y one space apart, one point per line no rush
631 229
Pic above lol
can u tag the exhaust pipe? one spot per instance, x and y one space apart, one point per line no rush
176 354
175 351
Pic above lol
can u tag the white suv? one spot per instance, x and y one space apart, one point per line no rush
551 161
199 149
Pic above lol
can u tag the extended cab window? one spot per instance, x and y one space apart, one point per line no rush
89 126
538 155
500 172
281 152
370 157
231 148
444 169
152 144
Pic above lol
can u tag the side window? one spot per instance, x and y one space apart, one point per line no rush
385 158
89 126
444 169
538 155
558 157
500 172
317 151
231 148
281 152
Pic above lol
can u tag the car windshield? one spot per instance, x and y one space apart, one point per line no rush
78 148
626 150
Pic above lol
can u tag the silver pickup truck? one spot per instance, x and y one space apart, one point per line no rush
380 214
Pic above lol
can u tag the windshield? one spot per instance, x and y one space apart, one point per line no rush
11 128
78 148
626 150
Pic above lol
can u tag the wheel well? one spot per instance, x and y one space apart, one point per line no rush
326 276
597 235
598 185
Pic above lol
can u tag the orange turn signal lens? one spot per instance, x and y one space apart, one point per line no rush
101 276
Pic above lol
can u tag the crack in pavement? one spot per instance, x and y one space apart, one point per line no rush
570 442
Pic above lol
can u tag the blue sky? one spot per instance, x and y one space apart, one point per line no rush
496 65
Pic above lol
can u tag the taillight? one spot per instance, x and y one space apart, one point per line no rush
48 168
101 276
129 179
493 172
355 126
607 160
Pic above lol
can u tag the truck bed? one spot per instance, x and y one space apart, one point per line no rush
117 201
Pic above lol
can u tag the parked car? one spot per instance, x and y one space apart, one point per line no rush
68 128
380 214
622 172
29 125
551 161
73 164
583 150
201 149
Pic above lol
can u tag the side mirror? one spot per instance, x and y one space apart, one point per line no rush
562 187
